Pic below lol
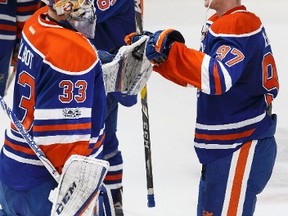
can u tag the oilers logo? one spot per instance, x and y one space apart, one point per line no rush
72 113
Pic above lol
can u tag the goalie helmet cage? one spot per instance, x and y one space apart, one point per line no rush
145 116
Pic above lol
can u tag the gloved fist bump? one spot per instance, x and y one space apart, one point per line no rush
159 44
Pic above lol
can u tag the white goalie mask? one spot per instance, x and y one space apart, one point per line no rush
80 14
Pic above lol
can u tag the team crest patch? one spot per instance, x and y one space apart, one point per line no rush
72 113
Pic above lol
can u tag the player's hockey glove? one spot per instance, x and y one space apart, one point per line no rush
134 36
159 44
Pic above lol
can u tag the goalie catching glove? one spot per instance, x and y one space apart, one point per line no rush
159 43
129 70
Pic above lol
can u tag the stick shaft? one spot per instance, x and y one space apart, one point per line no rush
30 141
145 115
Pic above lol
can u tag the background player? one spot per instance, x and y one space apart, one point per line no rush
115 20
60 98
13 14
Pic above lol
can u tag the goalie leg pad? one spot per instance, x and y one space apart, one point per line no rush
79 186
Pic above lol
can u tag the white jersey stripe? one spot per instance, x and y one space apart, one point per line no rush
246 177
227 77
97 153
7 37
232 125
23 18
61 139
232 176
237 35
7 17
116 168
13 137
230 183
21 159
113 186
93 140
216 146
205 81
50 114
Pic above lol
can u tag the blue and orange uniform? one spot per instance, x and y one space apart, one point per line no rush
115 20
59 97
236 77
13 15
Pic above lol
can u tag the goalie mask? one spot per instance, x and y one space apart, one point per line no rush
80 14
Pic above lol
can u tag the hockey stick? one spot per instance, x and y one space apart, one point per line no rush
11 75
30 141
145 116
12 67
75 192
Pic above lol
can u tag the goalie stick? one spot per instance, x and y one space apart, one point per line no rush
11 76
79 184
12 67
145 116
30 141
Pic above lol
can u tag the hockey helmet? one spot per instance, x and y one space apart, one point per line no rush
75 9
80 14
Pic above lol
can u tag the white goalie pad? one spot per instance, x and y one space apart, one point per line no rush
79 186
130 69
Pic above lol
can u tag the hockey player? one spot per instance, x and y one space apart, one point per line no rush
236 77
12 17
59 97
115 20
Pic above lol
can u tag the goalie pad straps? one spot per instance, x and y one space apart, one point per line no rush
130 69
79 186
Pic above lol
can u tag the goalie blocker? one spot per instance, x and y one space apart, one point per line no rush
130 69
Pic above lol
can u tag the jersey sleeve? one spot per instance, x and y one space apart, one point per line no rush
216 68
213 74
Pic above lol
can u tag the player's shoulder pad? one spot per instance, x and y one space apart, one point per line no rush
71 52
236 24
63 49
